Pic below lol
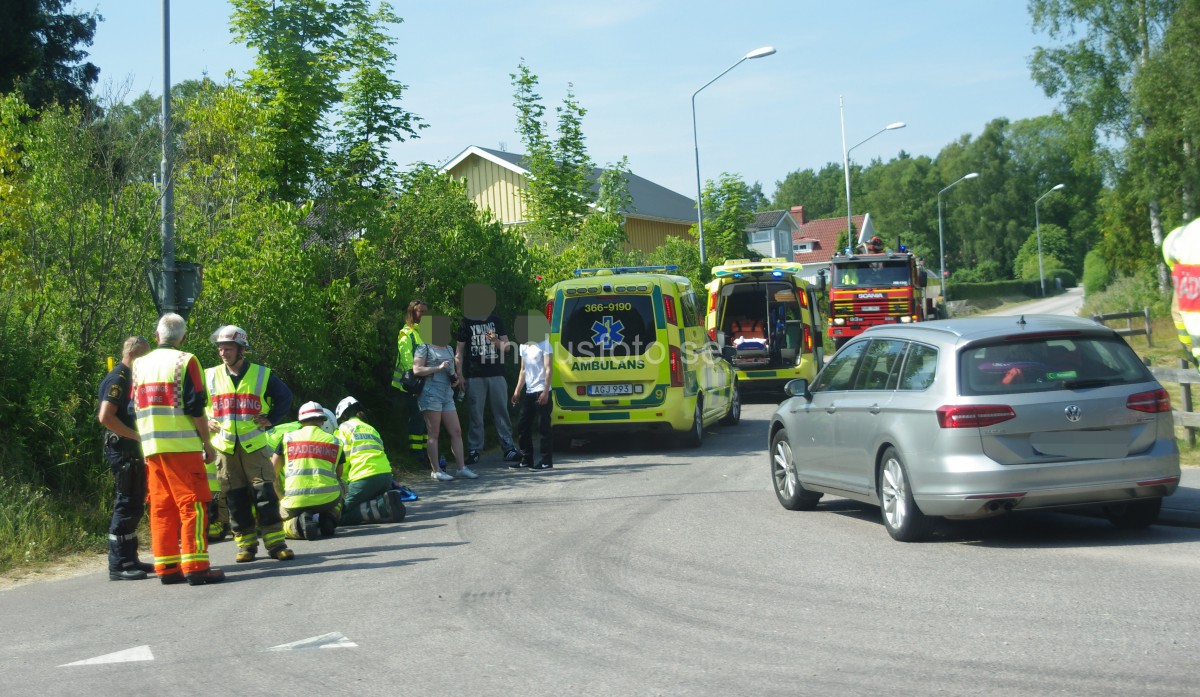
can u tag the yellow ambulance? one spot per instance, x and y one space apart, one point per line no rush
768 315
630 353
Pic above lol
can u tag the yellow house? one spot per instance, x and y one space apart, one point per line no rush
495 180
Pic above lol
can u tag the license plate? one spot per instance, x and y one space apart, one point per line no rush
608 390
870 308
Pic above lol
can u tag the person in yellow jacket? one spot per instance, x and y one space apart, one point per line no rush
308 463
370 497
407 342
244 400
1181 251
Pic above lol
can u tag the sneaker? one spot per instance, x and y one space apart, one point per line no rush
440 476
512 455
542 466
472 457
466 473
520 465
199 578
281 552
310 523
246 554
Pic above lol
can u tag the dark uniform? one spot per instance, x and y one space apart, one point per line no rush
124 457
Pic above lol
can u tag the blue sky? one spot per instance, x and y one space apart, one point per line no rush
944 67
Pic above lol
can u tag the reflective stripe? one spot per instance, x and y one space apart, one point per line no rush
198 556
366 447
314 490
123 538
157 388
235 408
307 472
174 559
162 435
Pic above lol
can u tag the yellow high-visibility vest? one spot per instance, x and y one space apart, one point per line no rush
235 407
158 403
310 468
364 450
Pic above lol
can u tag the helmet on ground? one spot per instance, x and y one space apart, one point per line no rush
330 424
311 410
344 405
231 332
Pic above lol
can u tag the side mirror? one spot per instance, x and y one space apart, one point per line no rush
822 280
921 278
728 353
798 388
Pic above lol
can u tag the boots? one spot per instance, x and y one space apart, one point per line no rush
395 501
199 578
246 554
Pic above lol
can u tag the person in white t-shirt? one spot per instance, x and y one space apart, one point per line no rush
532 392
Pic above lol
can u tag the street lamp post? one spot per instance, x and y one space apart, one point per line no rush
941 240
1038 225
756 53
846 162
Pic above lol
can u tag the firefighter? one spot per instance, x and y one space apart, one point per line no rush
407 342
308 463
369 494
1181 251
246 399
169 398
124 458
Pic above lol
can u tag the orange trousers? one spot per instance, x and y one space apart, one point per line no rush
179 497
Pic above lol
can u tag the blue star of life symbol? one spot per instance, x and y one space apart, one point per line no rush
606 333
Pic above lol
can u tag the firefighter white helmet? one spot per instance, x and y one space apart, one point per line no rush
231 332
311 410
330 424
345 404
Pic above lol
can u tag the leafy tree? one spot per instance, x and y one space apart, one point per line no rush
1056 246
728 212
1094 74
822 194
40 55
558 190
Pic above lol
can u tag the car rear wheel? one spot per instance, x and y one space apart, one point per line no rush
734 414
695 435
903 520
791 493
1134 515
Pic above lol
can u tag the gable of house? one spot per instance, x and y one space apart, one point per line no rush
496 180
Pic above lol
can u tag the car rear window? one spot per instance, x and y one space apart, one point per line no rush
607 325
1048 363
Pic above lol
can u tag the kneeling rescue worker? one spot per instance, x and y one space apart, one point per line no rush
309 464
246 399
369 494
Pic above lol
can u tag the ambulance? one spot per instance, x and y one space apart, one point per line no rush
768 315
630 354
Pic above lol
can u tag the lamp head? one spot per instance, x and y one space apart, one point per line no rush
894 126
972 175
760 53
1057 187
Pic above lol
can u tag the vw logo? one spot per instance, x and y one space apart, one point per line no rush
1074 413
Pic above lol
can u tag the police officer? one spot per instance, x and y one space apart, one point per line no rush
124 458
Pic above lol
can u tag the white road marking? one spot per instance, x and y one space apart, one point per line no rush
332 640
137 653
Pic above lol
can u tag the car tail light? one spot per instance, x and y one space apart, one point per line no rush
1151 402
669 308
973 415
580 390
549 309
676 367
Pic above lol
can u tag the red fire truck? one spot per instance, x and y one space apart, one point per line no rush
876 287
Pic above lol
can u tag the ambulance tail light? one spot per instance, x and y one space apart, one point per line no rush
712 301
676 367
808 340
712 334
549 309
669 309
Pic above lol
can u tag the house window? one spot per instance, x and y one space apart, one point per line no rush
760 237
802 248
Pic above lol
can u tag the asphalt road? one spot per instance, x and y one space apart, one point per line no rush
636 568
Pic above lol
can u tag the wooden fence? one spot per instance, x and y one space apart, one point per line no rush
1186 377
1129 329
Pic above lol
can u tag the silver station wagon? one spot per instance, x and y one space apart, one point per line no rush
965 418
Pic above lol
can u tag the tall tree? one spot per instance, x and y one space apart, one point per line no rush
728 211
1108 43
821 193
40 54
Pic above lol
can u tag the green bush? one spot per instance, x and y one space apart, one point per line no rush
1096 273
1129 294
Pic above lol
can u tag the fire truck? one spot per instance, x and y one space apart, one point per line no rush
879 286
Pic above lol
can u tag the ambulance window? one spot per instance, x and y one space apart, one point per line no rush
688 303
609 325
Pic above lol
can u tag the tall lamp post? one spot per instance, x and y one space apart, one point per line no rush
756 53
846 162
1038 225
941 240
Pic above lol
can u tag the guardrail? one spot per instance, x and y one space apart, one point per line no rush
1186 377
1129 328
